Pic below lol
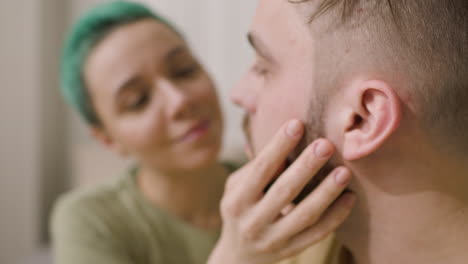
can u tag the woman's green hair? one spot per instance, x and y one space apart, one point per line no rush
91 28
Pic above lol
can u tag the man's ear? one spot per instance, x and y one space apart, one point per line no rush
102 136
374 115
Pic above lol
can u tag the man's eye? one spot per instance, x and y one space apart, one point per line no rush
259 70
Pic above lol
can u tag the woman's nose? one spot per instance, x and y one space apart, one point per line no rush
177 99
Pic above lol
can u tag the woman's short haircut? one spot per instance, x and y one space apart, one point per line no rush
88 31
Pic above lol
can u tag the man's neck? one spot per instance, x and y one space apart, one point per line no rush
426 223
192 196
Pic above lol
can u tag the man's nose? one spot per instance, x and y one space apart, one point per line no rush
244 96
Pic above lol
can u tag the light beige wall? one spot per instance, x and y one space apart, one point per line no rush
54 141
19 140
32 124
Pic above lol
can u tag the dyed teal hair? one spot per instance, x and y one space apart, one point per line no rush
91 28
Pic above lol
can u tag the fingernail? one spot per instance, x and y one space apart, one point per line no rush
342 177
294 128
323 149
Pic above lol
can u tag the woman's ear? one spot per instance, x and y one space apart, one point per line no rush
375 114
103 137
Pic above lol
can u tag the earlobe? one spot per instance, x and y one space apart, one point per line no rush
105 139
100 135
375 116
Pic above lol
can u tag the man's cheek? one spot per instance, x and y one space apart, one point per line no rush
265 129
261 135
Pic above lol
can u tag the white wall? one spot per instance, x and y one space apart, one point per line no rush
216 30
32 123
19 142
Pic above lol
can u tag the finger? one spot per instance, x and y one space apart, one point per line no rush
271 159
245 186
330 221
288 209
291 182
310 210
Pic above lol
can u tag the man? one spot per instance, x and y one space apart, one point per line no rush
387 83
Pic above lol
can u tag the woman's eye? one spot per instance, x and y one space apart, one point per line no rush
185 72
138 102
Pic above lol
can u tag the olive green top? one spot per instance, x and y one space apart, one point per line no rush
114 223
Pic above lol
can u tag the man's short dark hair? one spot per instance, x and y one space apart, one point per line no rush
427 40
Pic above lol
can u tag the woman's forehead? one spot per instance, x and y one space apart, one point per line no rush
147 33
129 49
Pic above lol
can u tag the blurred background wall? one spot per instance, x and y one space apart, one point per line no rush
44 148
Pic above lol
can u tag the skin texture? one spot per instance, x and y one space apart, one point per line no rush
261 227
265 228
412 204
157 104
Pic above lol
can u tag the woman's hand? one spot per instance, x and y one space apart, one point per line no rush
265 228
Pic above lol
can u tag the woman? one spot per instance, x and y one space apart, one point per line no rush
132 77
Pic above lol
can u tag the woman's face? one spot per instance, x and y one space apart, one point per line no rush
156 103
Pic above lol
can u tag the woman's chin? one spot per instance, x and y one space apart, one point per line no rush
202 159
195 160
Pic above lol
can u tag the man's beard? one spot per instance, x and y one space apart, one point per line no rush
314 129
248 135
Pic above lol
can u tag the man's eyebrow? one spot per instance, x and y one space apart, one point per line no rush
258 45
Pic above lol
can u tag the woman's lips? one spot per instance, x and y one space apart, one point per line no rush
197 131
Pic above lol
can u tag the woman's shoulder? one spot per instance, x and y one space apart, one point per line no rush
101 222
89 206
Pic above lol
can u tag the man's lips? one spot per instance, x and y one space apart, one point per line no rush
248 148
